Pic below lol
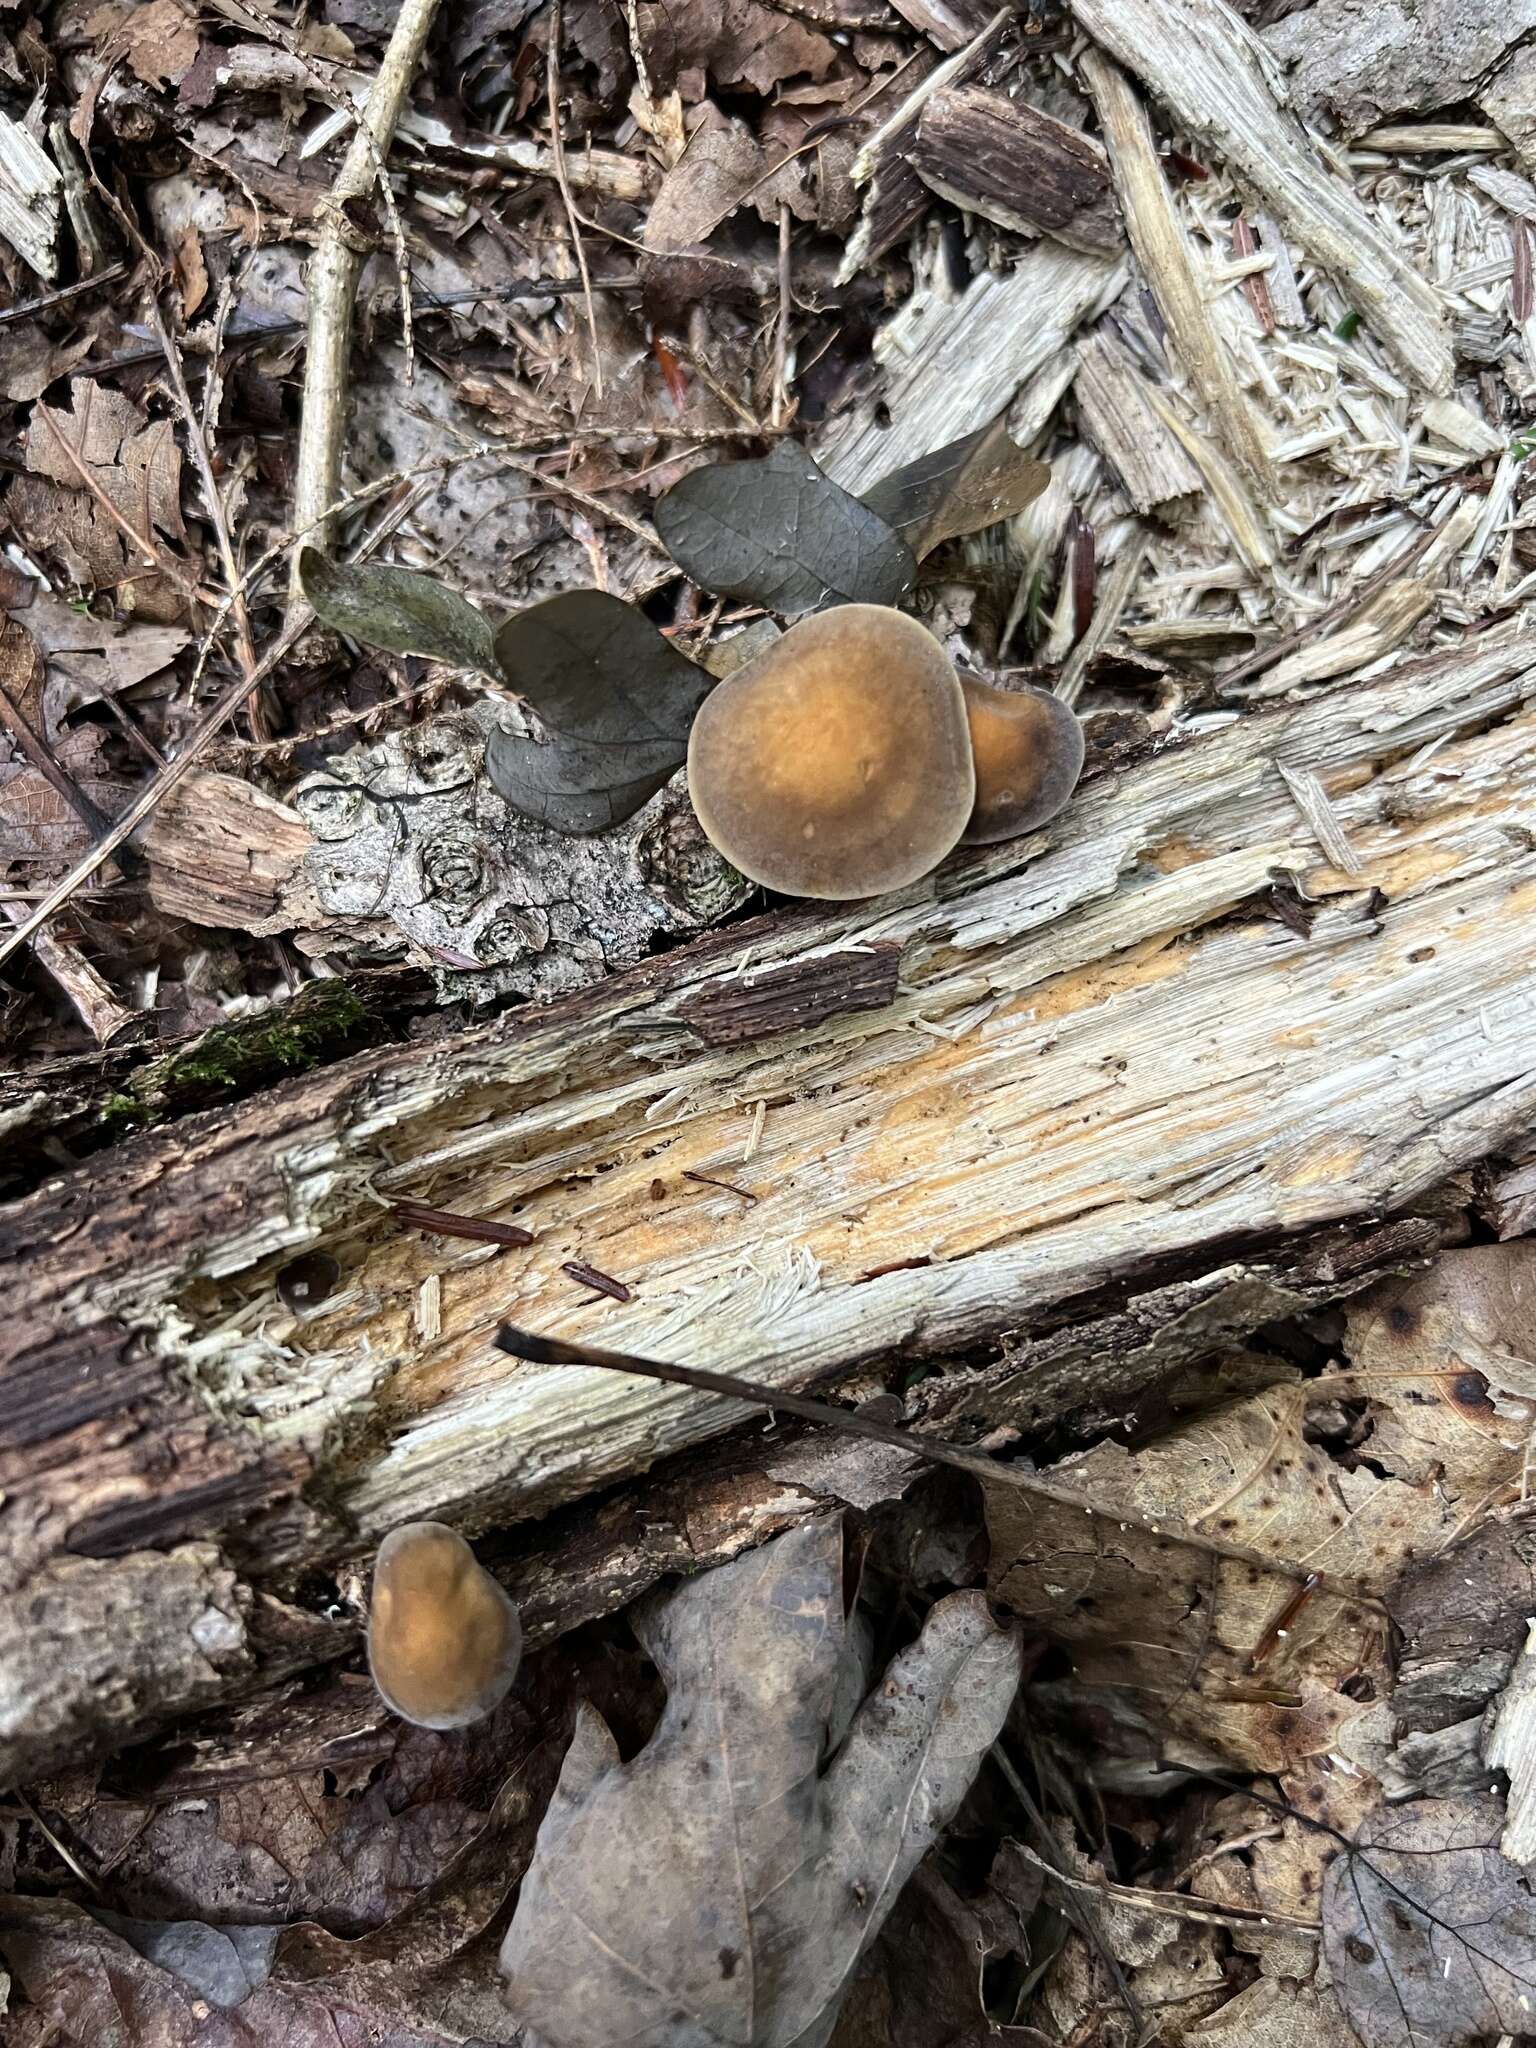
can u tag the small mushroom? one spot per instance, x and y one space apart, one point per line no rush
444 1640
1028 750
836 764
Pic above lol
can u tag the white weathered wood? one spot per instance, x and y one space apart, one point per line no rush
953 365
1150 462
1163 251
1203 63
30 187
1510 1745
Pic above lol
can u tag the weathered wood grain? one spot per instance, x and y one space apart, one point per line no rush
1105 1052
1015 165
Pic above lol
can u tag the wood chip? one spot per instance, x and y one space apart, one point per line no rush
1311 799
1010 163
781 999
1163 251
953 364
1204 64
1151 463
30 188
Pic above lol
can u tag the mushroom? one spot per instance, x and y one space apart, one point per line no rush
444 1640
837 763
1028 750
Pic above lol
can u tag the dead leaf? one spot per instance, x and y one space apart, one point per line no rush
21 672
1273 2013
1233 1654
36 823
735 43
971 484
1429 1931
614 701
88 658
169 1985
778 532
721 1886
1196 1609
104 445
722 166
191 271
159 40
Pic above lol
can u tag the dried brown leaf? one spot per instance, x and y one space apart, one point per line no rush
21 672
720 1887
159 40
145 1984
733 43
1222 1648
103 448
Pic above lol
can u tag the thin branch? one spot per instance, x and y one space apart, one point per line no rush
245 645
557 145
333 280
540 1350
780 407
28 307
223 707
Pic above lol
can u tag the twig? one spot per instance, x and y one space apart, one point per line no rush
89 996
40 754
333 280
537 1350
155 791
557 145
68 291
245 646
780 409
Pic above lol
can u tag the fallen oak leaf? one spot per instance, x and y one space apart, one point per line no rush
1429 1932
721 1886
960 488
778 532
615 700
399 610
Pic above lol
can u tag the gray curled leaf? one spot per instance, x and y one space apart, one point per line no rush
614 700
778 532
1429 1930
720 1887
398 610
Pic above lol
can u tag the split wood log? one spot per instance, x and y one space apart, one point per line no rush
1162 1030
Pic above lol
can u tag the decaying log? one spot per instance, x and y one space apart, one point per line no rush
1106 1050
1509 99
1010 163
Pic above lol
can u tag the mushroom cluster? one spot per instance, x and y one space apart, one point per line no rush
849 757
444 1640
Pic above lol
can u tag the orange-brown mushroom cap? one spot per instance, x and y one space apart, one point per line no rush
838 763
443 1638
1028 750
